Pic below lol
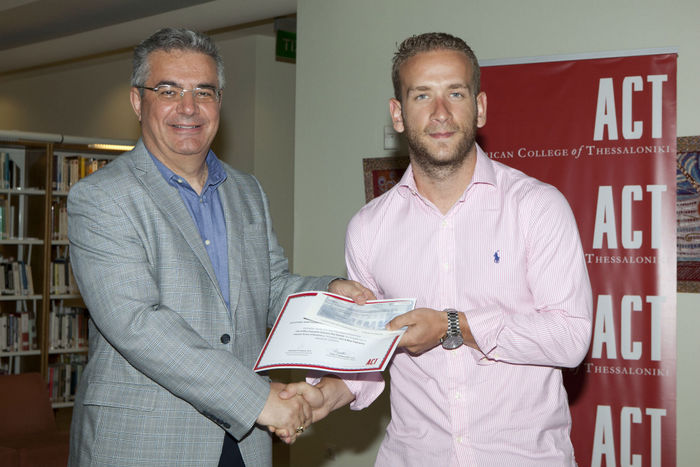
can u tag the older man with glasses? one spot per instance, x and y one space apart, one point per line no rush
177 261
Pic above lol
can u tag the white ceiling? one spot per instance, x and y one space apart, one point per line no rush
40 32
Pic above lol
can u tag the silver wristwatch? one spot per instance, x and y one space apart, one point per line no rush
453 338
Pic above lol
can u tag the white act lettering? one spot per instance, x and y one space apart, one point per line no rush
606 113
605 230
604 438
605 336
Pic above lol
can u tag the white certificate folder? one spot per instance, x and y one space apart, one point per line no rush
327 332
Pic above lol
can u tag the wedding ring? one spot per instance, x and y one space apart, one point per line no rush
300 429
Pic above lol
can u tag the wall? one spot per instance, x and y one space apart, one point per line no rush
91 98
343 86
274 137
257 122
83 99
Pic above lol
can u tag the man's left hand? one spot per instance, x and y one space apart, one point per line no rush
351 289
425 328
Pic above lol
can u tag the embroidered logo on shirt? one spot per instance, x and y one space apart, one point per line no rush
496 257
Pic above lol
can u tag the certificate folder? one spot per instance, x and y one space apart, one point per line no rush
327 332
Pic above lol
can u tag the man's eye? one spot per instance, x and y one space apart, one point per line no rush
457 95
420 97
204 93
167 92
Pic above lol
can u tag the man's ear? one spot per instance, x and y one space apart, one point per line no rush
135 96
481 110
396 114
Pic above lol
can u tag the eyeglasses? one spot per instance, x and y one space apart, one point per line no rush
170 93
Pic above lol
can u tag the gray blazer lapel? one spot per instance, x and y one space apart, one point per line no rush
231 204
168 200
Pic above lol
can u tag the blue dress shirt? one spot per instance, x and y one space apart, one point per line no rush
207 214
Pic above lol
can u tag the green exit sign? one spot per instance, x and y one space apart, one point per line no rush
286 50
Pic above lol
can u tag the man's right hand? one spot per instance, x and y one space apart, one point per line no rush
329 394
284 416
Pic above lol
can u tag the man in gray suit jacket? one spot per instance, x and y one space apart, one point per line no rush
178 264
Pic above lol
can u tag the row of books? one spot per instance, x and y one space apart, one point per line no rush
62 279
18 331
69 169
68 327
16 277
9 172
63 377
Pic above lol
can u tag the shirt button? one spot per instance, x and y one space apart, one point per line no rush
179 180
445 266
458 396
225 338
459 439
207 242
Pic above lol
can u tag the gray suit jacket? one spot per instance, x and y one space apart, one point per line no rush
169 368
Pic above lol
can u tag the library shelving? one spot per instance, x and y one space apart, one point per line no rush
43 320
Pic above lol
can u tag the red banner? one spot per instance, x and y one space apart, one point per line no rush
603 131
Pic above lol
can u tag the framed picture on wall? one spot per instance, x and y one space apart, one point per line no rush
382 173
688 213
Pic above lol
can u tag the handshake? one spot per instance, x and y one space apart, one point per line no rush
291 408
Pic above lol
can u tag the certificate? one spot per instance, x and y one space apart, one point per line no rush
327 332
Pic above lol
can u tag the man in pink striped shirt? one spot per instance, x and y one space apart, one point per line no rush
480 386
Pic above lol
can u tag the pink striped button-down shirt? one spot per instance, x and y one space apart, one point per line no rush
508 255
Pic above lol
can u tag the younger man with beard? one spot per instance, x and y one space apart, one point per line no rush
480 385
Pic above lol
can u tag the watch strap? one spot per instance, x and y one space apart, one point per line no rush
453 328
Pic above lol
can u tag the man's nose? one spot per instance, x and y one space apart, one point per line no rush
187 103
441 112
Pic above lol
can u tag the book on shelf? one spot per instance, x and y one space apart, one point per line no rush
8 279
24 331
7 285
62 279
16 280
58 282
6 213
33 343
7 217
9 172
4 323
27 280
72 283
59 219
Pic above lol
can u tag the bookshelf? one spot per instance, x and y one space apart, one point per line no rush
43 320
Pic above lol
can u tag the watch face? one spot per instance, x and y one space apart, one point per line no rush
452 342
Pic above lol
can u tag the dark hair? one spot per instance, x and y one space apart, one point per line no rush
428 42
168 39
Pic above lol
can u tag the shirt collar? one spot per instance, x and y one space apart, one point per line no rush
215 177
484 173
